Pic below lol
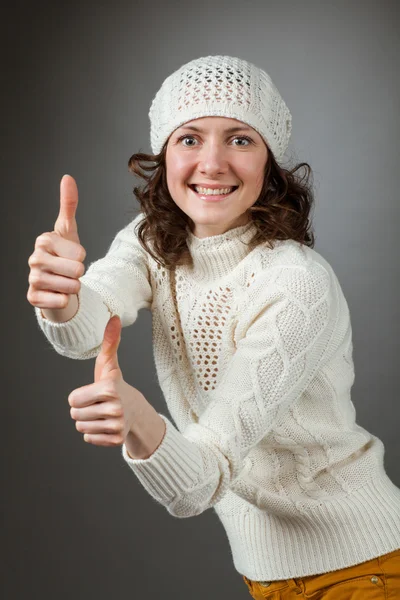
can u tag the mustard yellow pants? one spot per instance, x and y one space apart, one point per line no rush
376 579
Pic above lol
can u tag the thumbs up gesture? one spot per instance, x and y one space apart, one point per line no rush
105 410
57 261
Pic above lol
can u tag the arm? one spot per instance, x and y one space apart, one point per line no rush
284 335
118 284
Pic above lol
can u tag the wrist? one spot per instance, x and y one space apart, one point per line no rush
146 434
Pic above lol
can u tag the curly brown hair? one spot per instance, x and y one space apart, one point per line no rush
282 210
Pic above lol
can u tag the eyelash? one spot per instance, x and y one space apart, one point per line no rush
240 137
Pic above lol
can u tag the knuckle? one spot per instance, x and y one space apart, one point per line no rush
82 253
34 259
118 427
64 301
71 400
116 410
31 296
43 240
110 390
34 278
79 426
73 412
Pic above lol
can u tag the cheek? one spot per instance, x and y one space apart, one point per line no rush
253 173
259 169
260 178
178 169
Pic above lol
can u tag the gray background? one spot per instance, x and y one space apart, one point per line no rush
78 80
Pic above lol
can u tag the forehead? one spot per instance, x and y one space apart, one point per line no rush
209 124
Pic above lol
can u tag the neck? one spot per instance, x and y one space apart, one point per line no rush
216 256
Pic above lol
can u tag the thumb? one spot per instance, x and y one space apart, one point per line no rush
66 225
107 359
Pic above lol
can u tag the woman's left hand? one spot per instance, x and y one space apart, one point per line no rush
104 410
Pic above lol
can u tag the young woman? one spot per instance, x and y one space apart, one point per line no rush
252 344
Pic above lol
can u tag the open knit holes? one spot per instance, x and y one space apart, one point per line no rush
177 344
159 276
180 296
216 81
206 338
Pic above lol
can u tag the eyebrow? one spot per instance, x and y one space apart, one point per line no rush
230 130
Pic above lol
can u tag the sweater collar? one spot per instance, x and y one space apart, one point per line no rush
217 255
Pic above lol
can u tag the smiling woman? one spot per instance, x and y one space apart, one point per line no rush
231 142
252 344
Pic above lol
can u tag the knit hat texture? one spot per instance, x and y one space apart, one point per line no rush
221 86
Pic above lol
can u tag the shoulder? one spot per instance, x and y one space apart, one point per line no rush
293 266
134 222
292 286
291 254
126 242
291 277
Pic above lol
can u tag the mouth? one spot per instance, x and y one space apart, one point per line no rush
213 195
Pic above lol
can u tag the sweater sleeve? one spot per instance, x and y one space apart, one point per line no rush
117 284
283 337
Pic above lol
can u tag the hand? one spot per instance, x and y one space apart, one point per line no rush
105 410
57 261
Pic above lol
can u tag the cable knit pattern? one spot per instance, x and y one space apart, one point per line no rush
253 352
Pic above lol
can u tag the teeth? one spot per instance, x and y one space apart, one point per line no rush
210 192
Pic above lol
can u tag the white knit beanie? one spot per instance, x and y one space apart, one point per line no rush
221 86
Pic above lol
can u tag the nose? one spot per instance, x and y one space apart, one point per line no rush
212 160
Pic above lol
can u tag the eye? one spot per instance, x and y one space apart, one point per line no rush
186 137
245 138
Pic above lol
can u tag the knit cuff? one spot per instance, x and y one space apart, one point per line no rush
174 467
81 336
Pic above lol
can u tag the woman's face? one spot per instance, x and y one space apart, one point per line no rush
209 153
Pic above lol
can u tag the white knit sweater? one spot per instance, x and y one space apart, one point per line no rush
253 352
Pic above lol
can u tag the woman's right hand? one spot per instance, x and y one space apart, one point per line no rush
57 261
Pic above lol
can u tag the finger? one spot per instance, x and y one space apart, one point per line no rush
99 410
112 337
107 359
66 224
108 426
63 266
44 299
55 283
68 249
52 243
110 441
90 394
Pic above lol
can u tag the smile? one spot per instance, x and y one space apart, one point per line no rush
210 193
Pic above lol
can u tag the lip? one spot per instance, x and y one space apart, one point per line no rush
213 186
